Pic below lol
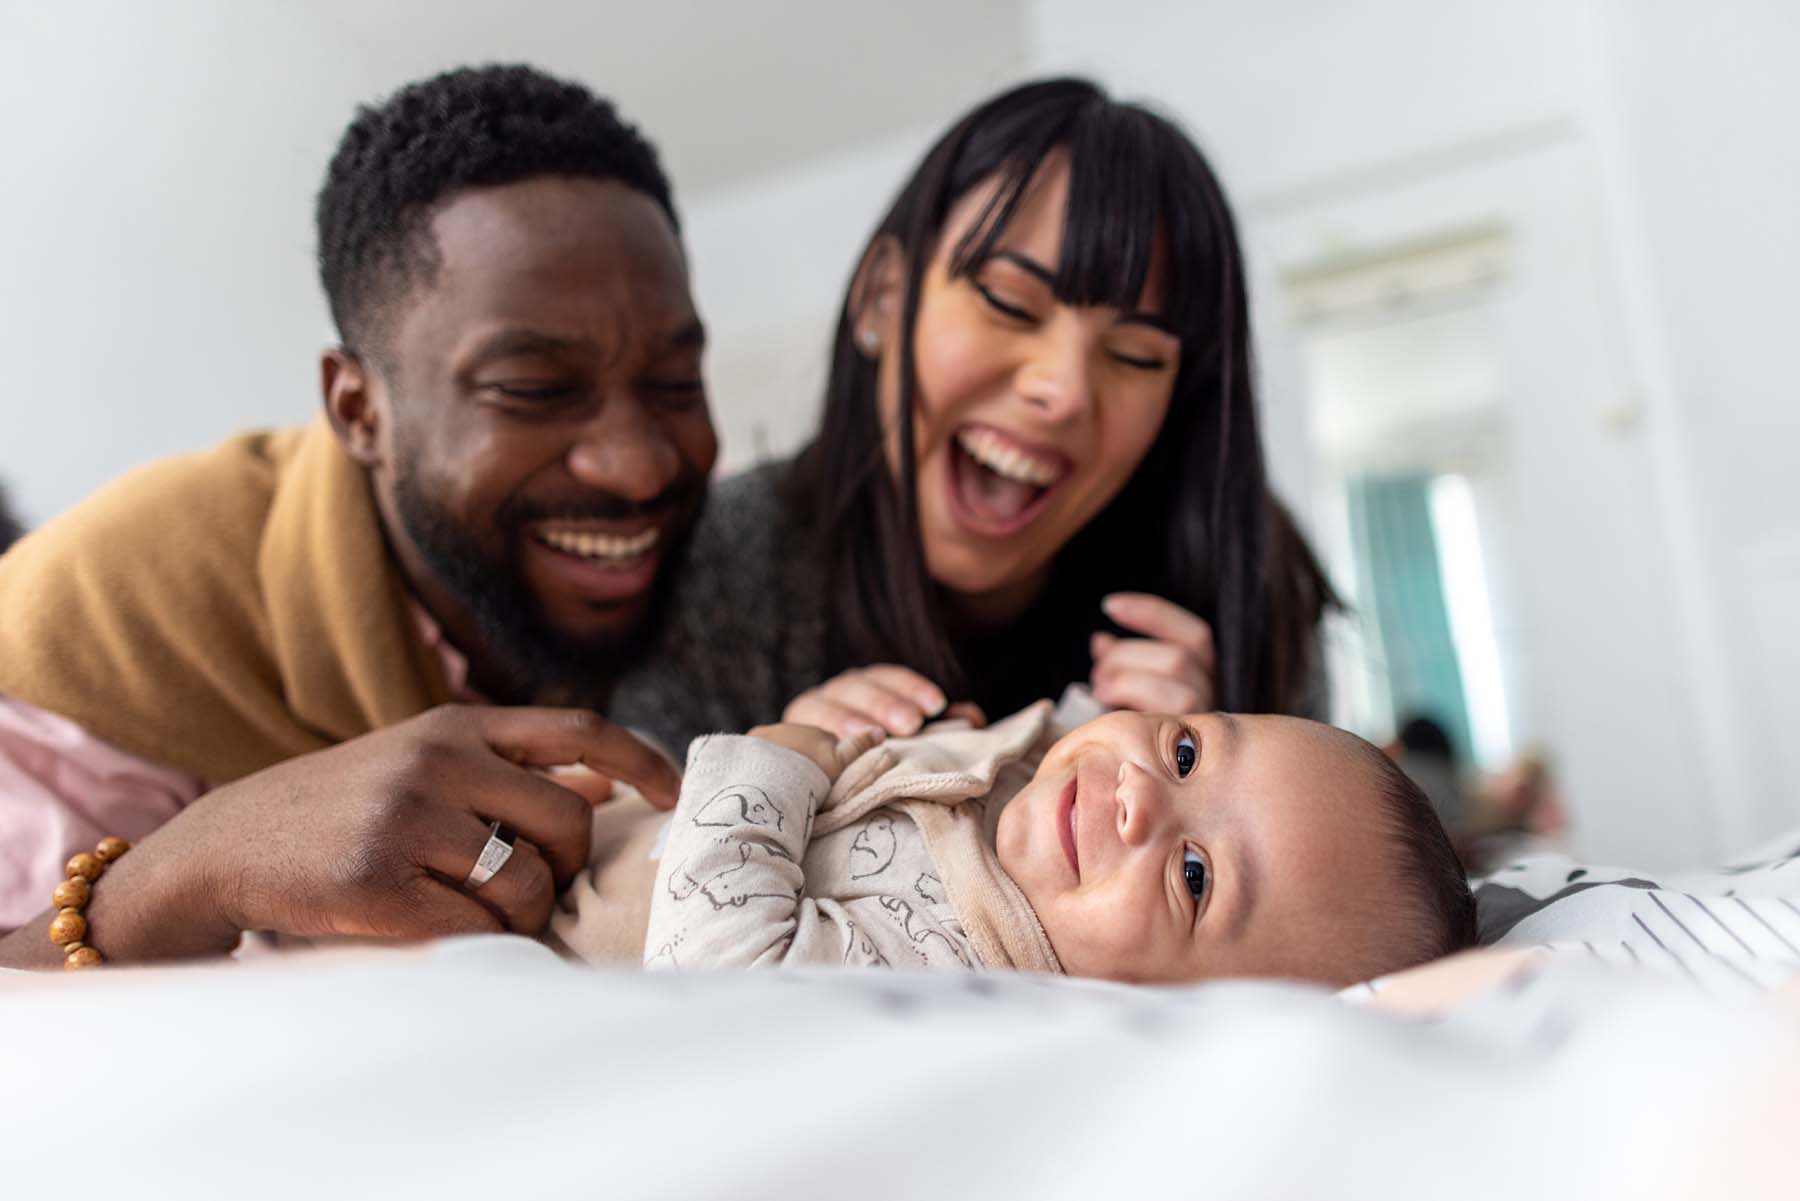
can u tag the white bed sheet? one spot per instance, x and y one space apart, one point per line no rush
488 1068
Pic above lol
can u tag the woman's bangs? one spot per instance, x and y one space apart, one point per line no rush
1122 195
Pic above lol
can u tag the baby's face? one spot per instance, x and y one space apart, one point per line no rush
1161 848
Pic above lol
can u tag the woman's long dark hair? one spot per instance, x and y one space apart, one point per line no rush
1195 523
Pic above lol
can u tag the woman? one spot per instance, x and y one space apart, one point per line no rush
1040 415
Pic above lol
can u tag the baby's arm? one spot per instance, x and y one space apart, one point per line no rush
730 888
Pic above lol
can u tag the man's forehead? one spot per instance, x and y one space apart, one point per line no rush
563 234
585 260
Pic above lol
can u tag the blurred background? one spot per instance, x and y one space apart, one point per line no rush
1518 273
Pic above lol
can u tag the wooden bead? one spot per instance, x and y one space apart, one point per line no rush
72 893
67 926
110 849
86 866
85 957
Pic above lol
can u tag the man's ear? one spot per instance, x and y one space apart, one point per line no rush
348 388
876 296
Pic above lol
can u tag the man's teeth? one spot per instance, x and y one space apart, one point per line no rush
601 546
1002 458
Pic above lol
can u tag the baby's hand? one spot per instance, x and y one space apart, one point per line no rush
831 753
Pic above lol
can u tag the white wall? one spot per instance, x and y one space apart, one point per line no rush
155 233
1707 109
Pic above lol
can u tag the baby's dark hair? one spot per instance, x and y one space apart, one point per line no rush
468 128
1432 884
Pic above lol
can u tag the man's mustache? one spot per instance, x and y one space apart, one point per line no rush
604 506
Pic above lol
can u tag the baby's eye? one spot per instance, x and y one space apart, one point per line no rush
1186 752
1193 872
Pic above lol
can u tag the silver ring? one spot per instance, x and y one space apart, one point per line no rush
493 856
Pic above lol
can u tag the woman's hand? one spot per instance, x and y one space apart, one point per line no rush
1169 670
885 697
831 753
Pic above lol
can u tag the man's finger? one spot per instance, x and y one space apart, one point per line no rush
430 908
1159 618
559 821
523 890
553 737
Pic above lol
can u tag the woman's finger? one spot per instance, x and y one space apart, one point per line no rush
910 684
815 708
1164 619
861 693
1146 693
1151 655
968 711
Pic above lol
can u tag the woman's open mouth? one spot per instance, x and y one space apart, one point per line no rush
998 483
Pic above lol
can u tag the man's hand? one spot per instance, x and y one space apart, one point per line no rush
831 753
375 836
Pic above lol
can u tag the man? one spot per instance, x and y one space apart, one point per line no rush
249 651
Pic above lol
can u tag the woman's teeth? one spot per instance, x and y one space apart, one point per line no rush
1004 459
605 547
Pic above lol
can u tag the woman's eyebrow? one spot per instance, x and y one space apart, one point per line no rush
1031 266
1028 265
1155 321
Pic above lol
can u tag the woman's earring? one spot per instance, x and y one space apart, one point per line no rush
869 340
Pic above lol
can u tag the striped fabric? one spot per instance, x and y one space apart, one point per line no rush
1731 929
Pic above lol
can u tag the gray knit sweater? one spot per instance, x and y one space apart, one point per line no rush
744 631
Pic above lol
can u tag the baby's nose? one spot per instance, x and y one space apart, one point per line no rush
1141 804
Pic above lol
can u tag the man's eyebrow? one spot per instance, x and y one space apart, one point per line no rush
1032 267
526 341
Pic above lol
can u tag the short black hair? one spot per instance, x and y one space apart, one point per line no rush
1432 883
467 128
11 530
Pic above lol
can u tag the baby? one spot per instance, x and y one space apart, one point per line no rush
1141 848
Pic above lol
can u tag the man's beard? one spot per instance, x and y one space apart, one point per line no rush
539 663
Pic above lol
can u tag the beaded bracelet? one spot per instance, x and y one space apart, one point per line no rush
69 927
